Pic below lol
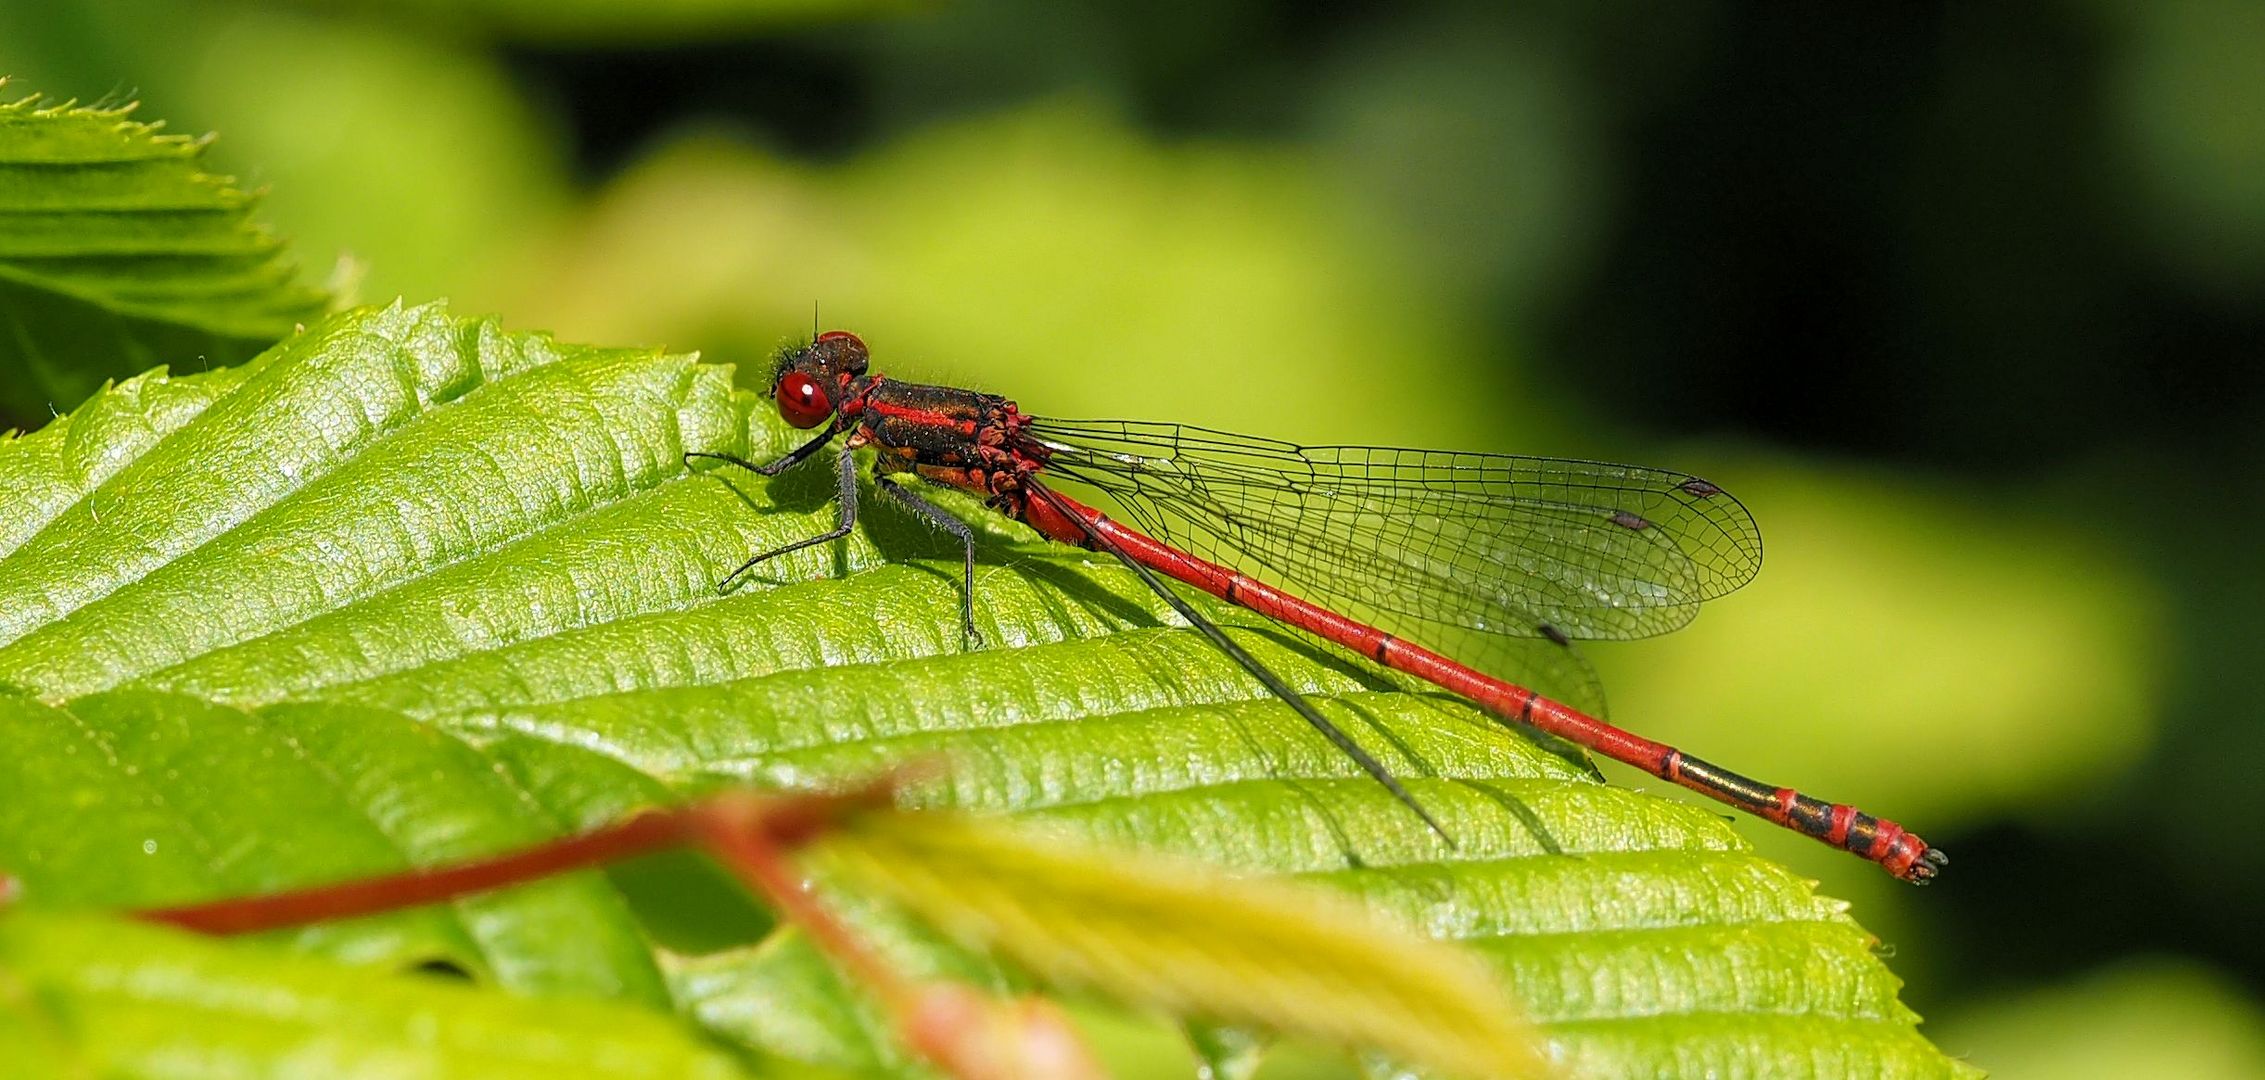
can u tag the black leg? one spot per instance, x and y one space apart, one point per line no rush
848 520
943 519
794 457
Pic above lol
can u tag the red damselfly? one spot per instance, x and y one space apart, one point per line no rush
1502 561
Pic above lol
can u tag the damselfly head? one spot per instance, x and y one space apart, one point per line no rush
811 378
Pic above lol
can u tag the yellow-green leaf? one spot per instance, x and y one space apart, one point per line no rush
1175 936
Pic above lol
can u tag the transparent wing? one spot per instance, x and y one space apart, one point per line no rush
1496 560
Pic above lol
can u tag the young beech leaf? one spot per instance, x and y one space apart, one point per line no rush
1176 936
409 588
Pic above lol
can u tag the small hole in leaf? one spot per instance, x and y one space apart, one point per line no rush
443 967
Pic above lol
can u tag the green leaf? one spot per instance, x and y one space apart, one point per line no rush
1176 937
90 996
408 589
119 253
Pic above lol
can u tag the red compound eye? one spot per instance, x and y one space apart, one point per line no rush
802 401
842 336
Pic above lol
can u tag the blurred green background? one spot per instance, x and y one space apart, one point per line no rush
1965 302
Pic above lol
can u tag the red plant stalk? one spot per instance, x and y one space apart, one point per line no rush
960 1030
